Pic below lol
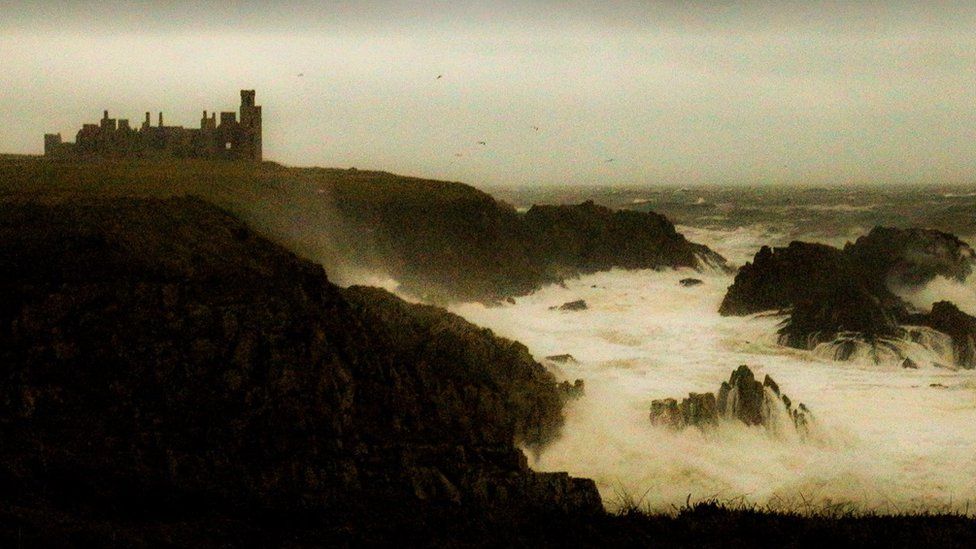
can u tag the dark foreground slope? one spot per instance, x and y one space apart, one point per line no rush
162 364
442 240
170 379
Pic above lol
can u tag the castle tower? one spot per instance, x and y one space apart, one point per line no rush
250 126
232 139
52 141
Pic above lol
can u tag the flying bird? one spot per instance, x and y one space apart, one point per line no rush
459 155
536 128
301 74
482 143
439 76
608 160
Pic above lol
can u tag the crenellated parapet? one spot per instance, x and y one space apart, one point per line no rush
230 139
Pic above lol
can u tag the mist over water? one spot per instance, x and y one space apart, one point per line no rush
963 294
886 439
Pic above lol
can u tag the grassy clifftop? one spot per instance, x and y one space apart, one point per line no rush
442 240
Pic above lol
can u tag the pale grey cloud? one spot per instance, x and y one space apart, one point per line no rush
817 92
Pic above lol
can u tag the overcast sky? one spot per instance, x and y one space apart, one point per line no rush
673 92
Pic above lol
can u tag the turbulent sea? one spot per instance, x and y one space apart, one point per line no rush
887 439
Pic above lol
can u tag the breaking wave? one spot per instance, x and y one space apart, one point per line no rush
889 438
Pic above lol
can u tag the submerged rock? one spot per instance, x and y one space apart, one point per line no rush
572 391
689 282
578 305
741 399
562 359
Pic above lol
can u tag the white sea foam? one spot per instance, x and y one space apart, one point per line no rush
962 294
888 440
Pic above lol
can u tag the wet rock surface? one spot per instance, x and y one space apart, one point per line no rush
578 305
961 327
572 391
742 398
159 359
834 295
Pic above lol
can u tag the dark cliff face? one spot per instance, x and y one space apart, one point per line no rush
158 358
828 291
447 241
588 238
443 241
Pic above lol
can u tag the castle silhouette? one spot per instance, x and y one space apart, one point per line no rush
230 139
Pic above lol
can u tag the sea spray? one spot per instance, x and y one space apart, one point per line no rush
886 436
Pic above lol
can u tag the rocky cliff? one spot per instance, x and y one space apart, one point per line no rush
161 360
443 241
448 242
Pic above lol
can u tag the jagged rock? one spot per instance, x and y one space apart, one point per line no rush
802 419
451 242
157 352
910 257
665 412
572 391
842 296
909 364
699 409
578 305
961 327
778 278
561 358
845 309
741 399
689 282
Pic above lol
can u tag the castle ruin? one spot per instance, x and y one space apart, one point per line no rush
230 138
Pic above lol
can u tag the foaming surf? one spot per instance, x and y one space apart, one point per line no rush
888 438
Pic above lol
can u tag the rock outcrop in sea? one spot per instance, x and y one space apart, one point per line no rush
845 297
742 399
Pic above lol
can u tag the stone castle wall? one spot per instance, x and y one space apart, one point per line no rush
230 139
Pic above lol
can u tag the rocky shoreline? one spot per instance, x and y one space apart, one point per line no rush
834 295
